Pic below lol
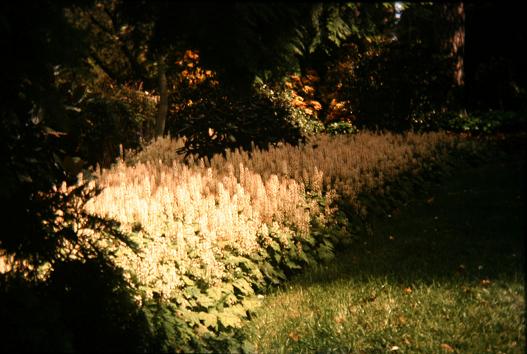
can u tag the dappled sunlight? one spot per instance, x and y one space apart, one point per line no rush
186 216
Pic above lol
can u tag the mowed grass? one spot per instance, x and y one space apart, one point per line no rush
445 273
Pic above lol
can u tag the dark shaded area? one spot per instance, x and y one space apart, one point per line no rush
84 307
494 59
29 165
220 123
406 78
469 227
406 81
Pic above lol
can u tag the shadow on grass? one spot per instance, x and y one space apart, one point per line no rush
470 228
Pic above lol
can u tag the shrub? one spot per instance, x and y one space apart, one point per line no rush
341 128
185 218
213 120
485 123
210 238
102 114
114 116
46 230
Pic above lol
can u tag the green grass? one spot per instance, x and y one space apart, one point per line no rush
445 273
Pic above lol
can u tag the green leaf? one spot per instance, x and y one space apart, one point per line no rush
215 293
304 256
251 304
309 239
191 292
229 299
275 246
292 265
235 260
205 300
273 274
277 256
244 286
228 319
325 253
209 319
187 280
238 310
227 288
191 317
181 301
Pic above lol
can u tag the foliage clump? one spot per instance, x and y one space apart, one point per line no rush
214 120
213 234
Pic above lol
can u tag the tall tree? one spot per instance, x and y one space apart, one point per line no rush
114 43
454 45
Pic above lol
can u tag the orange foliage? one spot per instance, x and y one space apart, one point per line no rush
303 92
193 74
338 111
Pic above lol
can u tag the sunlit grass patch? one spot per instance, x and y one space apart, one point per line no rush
379 315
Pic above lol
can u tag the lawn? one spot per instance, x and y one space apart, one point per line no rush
444 273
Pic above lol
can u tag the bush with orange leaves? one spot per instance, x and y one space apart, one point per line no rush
212 120
192 74
307 93
302 91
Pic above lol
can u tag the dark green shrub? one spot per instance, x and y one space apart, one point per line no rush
341 128
108 117
486 122
212 122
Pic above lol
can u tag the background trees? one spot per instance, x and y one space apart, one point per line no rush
356 63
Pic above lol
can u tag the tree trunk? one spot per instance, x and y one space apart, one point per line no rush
163 100
455 45
458 43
